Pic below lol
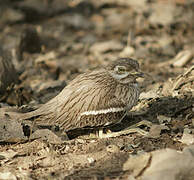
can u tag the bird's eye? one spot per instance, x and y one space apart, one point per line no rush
120 69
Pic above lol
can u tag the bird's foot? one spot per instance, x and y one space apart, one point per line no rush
123 132
135 128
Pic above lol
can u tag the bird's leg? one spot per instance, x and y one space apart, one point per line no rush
98 134
95 134
135 128
123 132
132 129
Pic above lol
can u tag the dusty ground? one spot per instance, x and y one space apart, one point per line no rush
51 42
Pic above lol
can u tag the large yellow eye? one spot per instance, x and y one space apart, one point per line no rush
121 69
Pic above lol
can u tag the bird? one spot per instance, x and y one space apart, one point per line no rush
97 98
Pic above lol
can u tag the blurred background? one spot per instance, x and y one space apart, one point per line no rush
44 44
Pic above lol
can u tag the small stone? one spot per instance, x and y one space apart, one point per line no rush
8 154
187 139
103 47
155 130
148 95
127 52
7 175
162 119
46 134
162 13
187 131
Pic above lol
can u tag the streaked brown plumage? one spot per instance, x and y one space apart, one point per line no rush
96 98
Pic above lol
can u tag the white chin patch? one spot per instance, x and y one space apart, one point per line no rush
103 111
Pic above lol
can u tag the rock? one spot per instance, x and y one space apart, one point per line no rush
47 135
162 164
7 155
193 118
102 47
34 10
11 131
7 175
182 84
76 21
88 39
170 164
155 130
137 4
162 13
149 94
136 164
127 52
115 21
189 150
9 15
166 45
182 58
187 139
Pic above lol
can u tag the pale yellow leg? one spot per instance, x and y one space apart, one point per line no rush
132 129
124 132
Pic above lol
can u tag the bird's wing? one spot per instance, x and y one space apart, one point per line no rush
88 94
85 98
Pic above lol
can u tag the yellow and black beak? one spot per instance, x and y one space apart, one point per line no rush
138 74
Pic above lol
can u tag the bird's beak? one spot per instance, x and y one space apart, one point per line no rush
139 74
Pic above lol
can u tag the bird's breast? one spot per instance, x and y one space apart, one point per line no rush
128 94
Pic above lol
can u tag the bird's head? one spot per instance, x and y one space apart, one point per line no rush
125 70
